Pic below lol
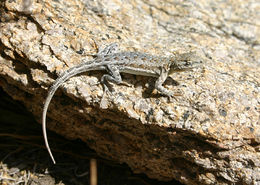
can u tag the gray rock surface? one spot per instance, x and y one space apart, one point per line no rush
209 135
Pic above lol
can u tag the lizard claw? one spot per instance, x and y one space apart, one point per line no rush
125 84
173 95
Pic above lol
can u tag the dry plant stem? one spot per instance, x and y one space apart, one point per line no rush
93 171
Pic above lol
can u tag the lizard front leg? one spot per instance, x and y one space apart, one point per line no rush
161 79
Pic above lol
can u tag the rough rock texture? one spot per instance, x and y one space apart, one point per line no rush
210 134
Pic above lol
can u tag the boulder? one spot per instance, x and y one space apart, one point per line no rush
208 134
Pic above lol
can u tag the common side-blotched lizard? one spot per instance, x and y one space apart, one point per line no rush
126 62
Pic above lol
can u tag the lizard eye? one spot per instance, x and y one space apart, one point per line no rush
187 64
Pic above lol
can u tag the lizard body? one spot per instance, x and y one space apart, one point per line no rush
126 62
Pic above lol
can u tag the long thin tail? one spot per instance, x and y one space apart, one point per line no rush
65 76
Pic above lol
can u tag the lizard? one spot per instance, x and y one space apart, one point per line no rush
114 62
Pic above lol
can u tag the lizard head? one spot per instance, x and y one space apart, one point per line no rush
185 61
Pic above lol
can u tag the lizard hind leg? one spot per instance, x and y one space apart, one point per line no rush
110 49
113 76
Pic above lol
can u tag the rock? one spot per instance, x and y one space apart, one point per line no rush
210 133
